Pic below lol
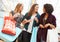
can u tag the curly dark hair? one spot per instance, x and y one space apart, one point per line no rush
48 8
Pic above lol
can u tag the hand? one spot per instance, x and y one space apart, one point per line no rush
52 26
46 25
29 20
26 21
15 15
36 19
41 26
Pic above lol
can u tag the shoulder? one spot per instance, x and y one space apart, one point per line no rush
38 15
12 12
26 15
42 15
53 16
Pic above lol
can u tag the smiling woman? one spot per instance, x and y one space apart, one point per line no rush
8 5
56 5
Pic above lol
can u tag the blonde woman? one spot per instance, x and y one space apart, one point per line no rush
16 14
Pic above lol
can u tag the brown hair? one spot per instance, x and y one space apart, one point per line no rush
32 9
17 7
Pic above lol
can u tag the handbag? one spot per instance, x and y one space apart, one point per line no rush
9 26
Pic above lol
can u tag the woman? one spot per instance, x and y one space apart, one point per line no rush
16 14
30 20
47 21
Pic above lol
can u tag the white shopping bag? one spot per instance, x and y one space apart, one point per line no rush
52 35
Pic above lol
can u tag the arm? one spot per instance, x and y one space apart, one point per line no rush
10 15
37 18
25 16
23 20
53 25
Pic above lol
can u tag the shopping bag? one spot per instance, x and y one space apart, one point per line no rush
34 34
9 26
52 35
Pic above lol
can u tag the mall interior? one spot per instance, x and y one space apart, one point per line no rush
8 5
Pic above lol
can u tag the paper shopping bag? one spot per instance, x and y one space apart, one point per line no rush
9 26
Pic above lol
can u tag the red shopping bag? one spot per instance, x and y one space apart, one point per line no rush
9 26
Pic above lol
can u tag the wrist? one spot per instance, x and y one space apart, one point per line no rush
22 24
37 21
49 24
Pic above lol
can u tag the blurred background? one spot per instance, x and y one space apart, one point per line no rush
8 5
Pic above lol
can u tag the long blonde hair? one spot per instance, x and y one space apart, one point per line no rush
17 8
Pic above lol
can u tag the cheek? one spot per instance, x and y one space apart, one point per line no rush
36 9
43 10
21 8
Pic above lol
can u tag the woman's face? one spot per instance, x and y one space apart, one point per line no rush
21 8
44 10
36 8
